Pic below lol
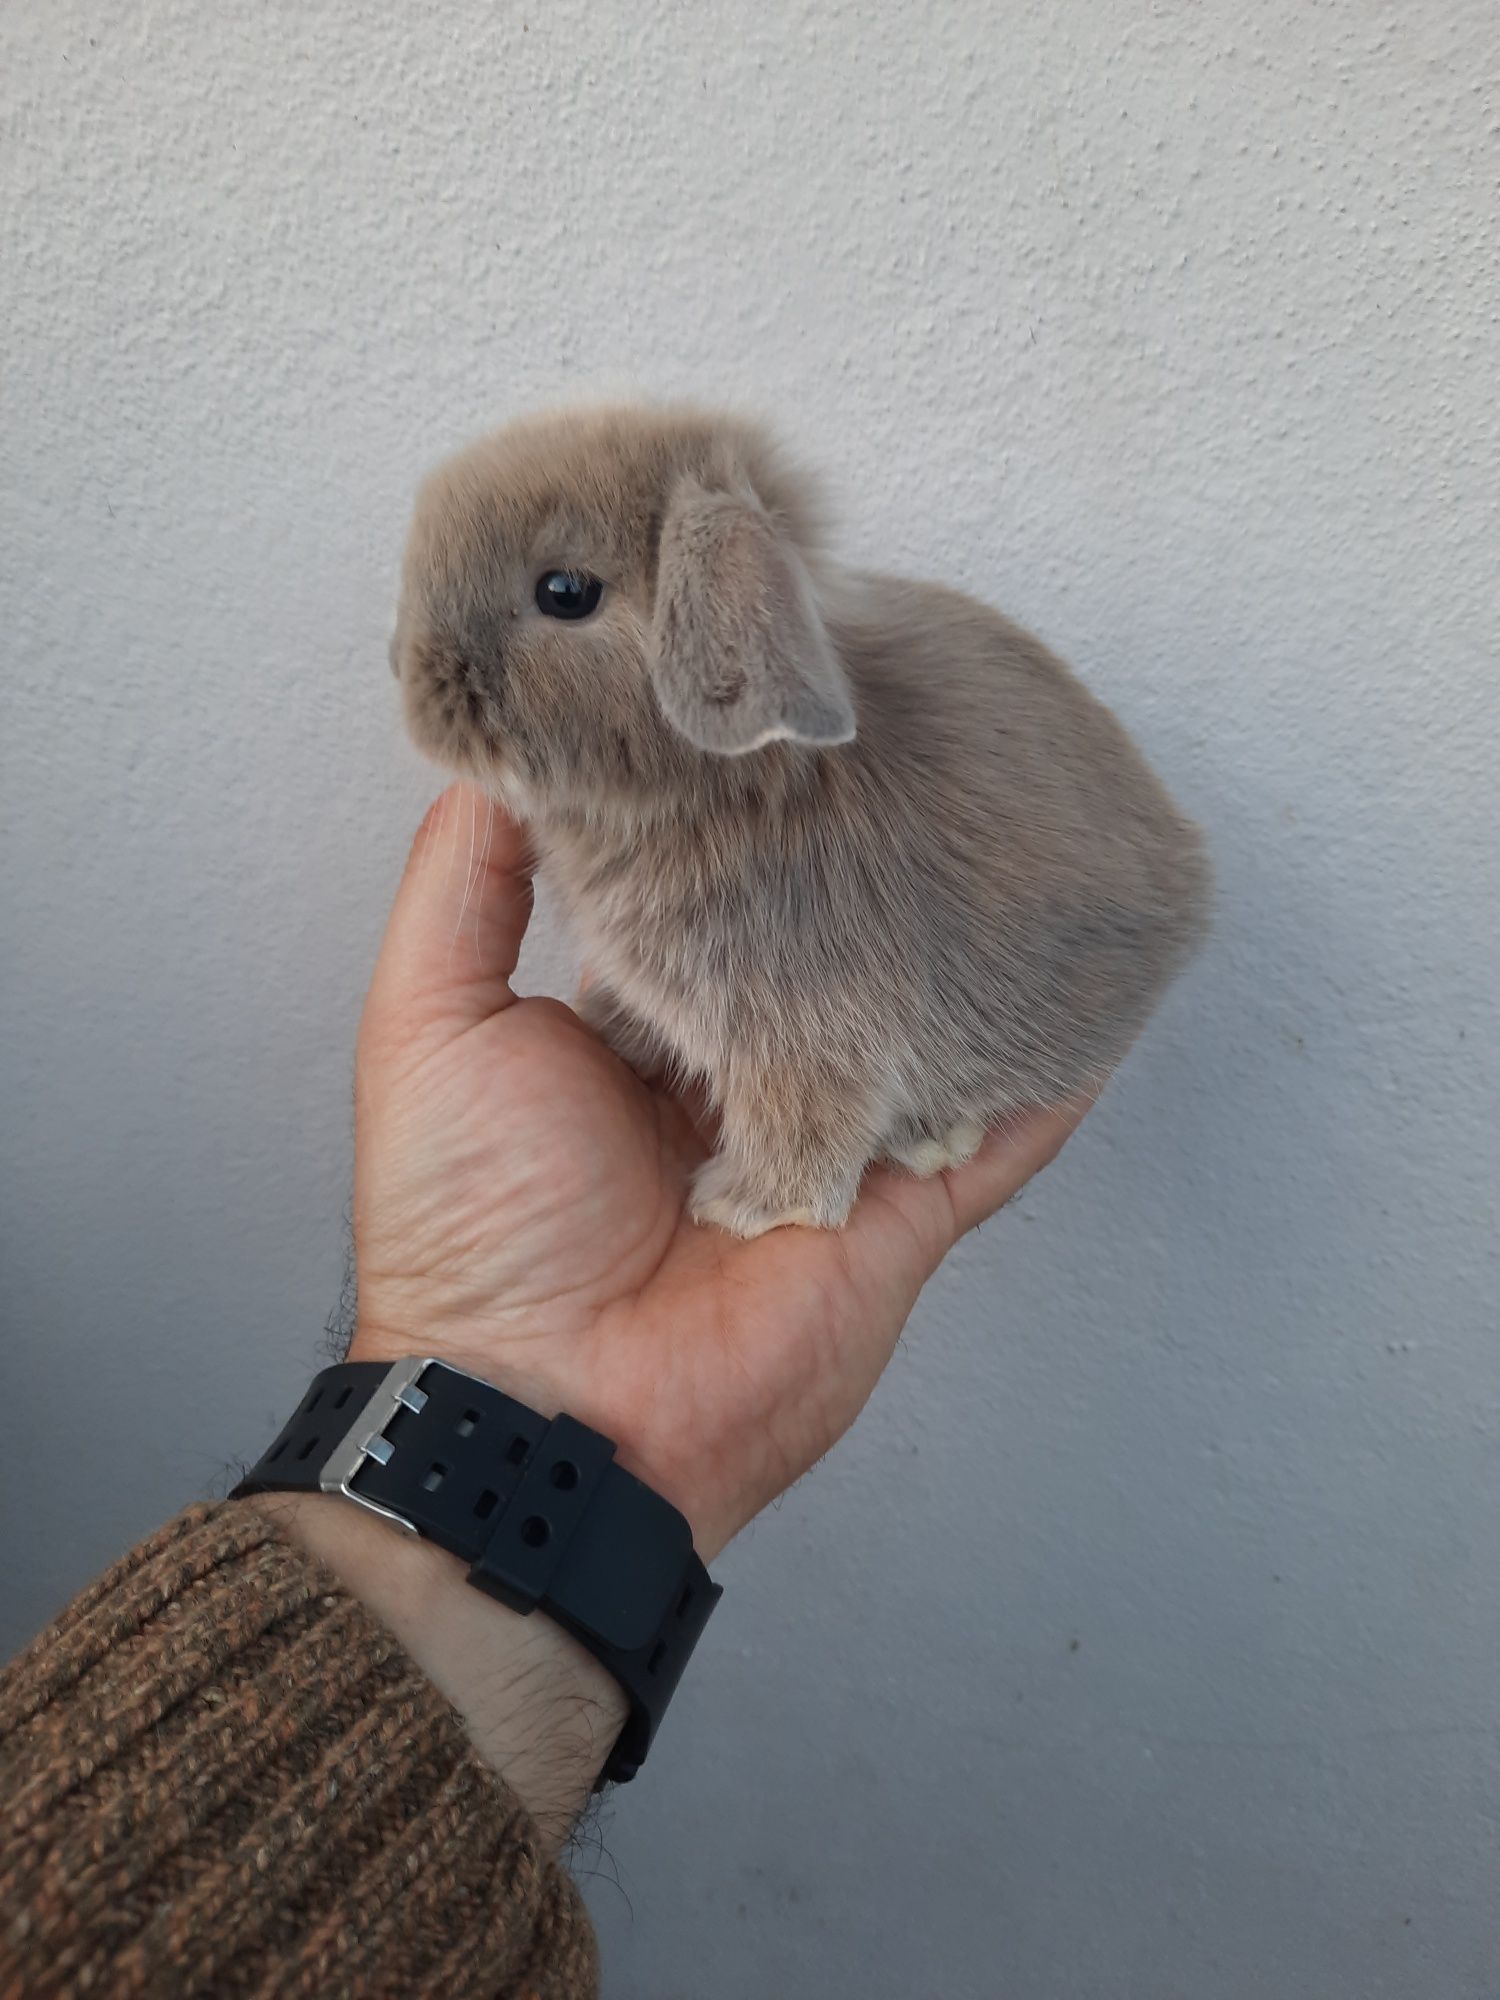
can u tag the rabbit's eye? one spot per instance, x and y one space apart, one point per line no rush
567 593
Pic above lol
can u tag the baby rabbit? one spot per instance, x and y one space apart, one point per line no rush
858 853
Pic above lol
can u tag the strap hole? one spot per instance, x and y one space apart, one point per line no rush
308 1449
565 1475
275 1452
485 1505
535 1531
517 1450
658 1654
342 1397
313 1400
433 1477
467 1424
684 1601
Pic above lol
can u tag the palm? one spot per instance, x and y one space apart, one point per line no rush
520 1210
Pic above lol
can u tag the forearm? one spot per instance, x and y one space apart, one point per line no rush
539 1709
224 1776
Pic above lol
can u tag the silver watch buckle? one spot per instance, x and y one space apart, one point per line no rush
366 1438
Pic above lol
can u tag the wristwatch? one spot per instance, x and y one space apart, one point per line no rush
537 1507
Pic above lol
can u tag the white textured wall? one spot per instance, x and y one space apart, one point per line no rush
1145 1640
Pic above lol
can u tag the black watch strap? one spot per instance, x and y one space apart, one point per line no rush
537 1507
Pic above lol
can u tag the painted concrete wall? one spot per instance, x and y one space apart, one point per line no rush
1144 1639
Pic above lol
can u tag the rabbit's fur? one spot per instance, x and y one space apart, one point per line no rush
858 853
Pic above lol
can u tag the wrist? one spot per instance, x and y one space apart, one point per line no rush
541 1711
694 1483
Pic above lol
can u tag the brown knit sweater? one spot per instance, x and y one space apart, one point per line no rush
220 1776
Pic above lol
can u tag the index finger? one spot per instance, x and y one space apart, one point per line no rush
1011 1154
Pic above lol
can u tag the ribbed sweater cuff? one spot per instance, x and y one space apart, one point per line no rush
221 1776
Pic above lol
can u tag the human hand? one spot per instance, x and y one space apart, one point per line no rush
520 1211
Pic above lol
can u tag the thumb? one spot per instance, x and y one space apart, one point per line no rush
455 929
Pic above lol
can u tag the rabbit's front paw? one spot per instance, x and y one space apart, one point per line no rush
724 1194
924 1156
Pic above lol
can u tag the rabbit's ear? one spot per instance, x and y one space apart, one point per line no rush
738 649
